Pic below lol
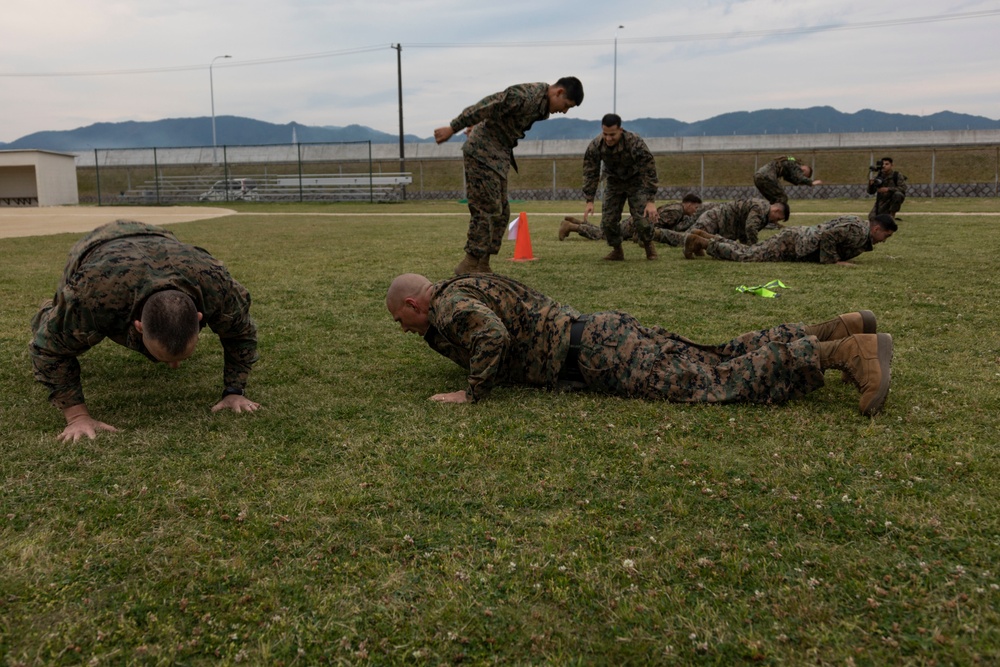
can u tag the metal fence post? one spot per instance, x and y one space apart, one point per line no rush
156 176
299 152
97 173
933 165
701 191
371 176
225 170
553 179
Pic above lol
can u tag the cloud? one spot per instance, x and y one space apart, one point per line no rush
729 66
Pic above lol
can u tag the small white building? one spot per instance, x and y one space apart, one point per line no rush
37 178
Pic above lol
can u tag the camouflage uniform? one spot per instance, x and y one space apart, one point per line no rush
108 277
500 121
503 332
891 201
738 220
838 240
670 220
631 172
767 178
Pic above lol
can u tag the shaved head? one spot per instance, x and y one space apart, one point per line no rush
404 286
408 301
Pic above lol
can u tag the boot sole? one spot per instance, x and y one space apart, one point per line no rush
689 251
868 323
884 361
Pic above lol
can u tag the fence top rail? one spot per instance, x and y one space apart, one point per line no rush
400 178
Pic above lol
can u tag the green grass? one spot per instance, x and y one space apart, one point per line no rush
354 521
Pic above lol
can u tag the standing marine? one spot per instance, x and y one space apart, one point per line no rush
631 173
500 121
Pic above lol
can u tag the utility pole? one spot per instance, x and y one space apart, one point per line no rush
399 79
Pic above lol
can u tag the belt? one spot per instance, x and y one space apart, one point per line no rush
570 371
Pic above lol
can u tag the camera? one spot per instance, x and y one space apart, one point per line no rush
875 167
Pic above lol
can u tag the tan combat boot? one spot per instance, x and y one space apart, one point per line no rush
866 358
650 251
484 264
702 233
842 326
468 265
568 225
616 254
695 245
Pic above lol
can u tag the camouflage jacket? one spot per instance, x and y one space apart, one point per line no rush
838 240
676 220
787 168
629 165
500 330
742 219
108 277
895 181
500 121
669 216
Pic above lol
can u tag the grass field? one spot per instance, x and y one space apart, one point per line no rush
353 521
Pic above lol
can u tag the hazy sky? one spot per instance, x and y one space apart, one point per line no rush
70 63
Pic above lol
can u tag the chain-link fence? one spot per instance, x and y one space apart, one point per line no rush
349 172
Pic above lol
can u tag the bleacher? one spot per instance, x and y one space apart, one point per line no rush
382 187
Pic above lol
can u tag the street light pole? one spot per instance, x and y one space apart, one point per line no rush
614 99
211 88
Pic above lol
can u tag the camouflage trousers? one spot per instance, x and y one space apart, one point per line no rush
611 215
595 233
486 190
770 189
660 235
668 237
620 356
778 248
888 203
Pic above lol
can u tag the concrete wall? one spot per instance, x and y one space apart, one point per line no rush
770 143
42 178
56 175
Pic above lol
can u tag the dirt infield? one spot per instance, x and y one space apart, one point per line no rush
42 221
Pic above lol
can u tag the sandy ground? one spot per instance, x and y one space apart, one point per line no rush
45 220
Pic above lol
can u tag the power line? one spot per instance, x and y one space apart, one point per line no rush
746 34
188 68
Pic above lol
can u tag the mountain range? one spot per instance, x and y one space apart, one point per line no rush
235 130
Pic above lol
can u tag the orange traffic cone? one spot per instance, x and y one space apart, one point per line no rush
522 246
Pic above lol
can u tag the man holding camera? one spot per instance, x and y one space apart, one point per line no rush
888 186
